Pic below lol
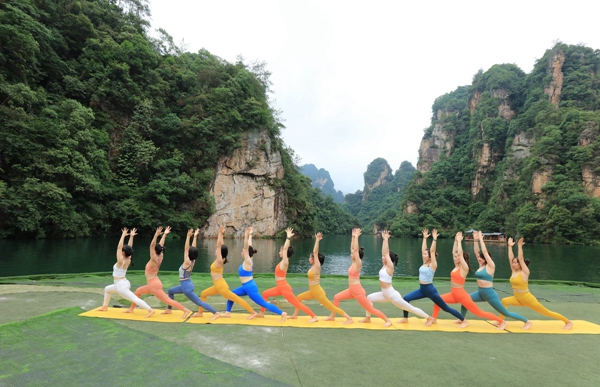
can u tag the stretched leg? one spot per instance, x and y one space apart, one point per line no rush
375 297
187 288
123 288
272 292
108 291
307 295
447 298
223 290
463 297
492 298
156 287
361 296
530 301
286 291
318 293
412 296
431 292
476 297
343 295
252 291
395 298
138 292
240 292
174 290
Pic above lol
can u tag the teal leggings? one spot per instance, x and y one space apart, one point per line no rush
489 295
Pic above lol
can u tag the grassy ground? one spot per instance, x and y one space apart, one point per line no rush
135 353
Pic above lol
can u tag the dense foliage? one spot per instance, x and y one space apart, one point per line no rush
103 125
556 142
321 179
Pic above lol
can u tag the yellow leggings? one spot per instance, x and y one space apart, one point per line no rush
221 287
316 291
528 300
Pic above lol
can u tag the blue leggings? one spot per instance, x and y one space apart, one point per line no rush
429 291
489 295
187 287
250 289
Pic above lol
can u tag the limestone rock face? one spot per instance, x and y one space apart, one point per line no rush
555 87
521 146
591 181
242 195
439 142
540 178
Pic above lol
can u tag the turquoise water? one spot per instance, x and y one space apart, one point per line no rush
549 262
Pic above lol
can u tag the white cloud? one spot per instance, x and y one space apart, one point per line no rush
356 80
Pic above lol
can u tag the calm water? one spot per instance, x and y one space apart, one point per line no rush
25 257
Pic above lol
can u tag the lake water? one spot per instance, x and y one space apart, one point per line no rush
549 262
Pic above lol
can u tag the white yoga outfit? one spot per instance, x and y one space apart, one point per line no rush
123 288
393 296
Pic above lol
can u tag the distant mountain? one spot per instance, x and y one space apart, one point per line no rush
322 180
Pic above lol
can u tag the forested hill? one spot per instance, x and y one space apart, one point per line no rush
104 126
514 152
322 180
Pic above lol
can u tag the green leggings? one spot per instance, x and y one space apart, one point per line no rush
489 295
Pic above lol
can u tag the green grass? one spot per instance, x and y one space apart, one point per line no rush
299 357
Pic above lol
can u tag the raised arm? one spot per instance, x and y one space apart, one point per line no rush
132 233
186 251
355 247
524 268
488 259
124 233
153 255
511 254
458 241
316 262
385 248
285 261
219 258
164 236
476 236
434 234
247 244
195 240
424 244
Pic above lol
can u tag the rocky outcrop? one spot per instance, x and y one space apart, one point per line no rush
242 193
521 146
410 208
485 164
384 175
540 178
555 87
504 109
440 141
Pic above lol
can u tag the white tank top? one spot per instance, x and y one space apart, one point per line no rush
119 271
384 276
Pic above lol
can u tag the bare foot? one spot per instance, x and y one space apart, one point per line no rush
568 325
102 309
283 316
313 320
150 313
261 315
502 325
404 321
186 314
215 316
388 323
252 315
226 315
431 321
464 324
495 323
365 320
294 316
348 321
197 314
330 318
128 310
166 311
457 321
527 325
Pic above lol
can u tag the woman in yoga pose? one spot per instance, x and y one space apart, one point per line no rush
186 286
519 281
426 289
121 285
355 289
153 284
388 293
283 288
458 294
219 284
485 278
249 287
315 290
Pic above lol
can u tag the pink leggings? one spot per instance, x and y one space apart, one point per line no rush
460 296
284 289
155 287
358 293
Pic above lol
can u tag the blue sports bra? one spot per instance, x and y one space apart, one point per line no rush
426 274
483 275
244 273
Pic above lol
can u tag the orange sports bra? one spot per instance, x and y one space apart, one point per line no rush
279 272
353 273
151 269
215 269
517 282
456 277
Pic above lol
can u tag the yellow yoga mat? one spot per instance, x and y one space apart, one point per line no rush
137 315
414 324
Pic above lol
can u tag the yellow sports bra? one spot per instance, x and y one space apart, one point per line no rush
312 277
517 282
215 269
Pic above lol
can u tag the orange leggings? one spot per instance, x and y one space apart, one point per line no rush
154 286
284 289
358 293
221 287
460 296
316 291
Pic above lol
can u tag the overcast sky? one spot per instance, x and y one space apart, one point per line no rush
356 80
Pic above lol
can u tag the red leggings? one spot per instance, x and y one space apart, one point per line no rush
358 293
460 296
284 289
155 287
